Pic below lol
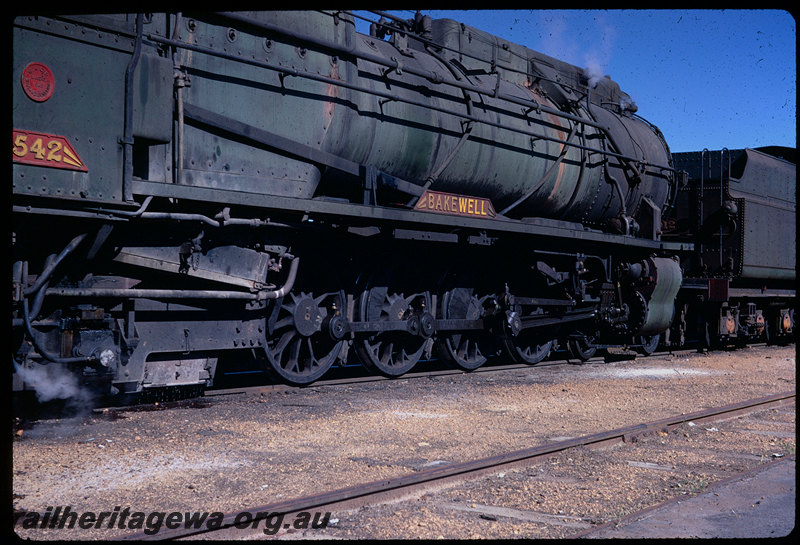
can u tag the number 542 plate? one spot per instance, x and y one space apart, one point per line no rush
47 150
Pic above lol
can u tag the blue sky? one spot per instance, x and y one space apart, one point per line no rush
706 78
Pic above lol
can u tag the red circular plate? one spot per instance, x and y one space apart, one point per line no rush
38 81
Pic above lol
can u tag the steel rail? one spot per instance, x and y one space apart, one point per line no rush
386 489
271 387
487 368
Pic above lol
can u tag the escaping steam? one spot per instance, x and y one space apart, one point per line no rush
594 73
590 45
54 382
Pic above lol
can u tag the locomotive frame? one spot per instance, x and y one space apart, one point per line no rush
138 267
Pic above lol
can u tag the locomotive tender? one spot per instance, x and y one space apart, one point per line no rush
189 186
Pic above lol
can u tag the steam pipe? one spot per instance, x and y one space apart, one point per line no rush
179 83
181 216
615 183
316 77
332 81
722 194
544 178
127 141
39 297
224 218
68 249
378 59
702 189
629 161
431 76
467 131
42 351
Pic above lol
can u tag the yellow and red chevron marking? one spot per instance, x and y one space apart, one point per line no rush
47 150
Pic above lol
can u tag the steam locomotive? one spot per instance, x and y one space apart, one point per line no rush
188 187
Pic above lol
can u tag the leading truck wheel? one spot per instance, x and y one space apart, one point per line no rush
581 348
523 345
528 349
648 344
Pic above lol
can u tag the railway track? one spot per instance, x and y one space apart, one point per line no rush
414 484
348 376
363 376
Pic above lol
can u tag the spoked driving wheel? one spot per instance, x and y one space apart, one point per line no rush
394 350
468 350
304 344
524 345
529 349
